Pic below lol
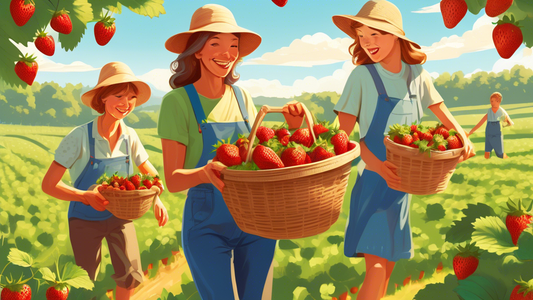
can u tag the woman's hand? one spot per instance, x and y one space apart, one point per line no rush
95 200
212 172
469 149
294 114
160 212
388 172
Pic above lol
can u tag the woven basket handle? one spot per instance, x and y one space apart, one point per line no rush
259 119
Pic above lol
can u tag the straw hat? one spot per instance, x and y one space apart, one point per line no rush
113 73
378 14
214 18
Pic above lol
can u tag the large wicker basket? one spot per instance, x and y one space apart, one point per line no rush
420 173
292 202
129 205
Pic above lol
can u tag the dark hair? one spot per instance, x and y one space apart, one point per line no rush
114 89
186 68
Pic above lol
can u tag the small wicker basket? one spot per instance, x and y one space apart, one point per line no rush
420 173
129 205
292 202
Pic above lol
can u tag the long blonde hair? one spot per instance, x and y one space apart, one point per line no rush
410 54
186 68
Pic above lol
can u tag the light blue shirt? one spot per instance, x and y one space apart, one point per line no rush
496 116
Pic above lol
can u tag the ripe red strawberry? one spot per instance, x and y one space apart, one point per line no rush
122 188
414 128
159 185
240 141
147 183
285 140
397 139
320 154
442 148
518 219
522 291
427 136
442 131
495 8
407 139
507 38
21 11
280 3
16 292
281 132
142 188
466 261
136 180
351 145
264 134
61 22
415 137
340 142
57 293
302 136
26 68
308 159
453 141
129 185
453 11
319 128
45 43
104 30
294 155
228 154
243 151
266 158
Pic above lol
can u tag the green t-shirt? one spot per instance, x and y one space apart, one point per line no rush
177 121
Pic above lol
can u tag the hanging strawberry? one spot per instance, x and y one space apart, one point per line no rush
507 37
26 68
495 8
21 11
61 22
453 11
104 30
280 3
45 43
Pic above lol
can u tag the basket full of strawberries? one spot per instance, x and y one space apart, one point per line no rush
426 156
129 197
284 185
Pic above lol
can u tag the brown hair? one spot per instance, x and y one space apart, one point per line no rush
186 68
114 89
497 95
410 54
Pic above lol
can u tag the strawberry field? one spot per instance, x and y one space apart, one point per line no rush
470 210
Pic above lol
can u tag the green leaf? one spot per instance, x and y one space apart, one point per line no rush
434 212
81 13
482 288
491 234
150 8
443 290
48 274
287 245
335 239
462 230
20 258
525 245
475 6
526 26
525 5
76 277
164 295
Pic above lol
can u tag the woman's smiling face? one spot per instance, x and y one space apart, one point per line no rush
121 104
376 44
219 54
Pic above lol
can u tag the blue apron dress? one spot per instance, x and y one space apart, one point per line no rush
494 138
93 170
209 232
378 223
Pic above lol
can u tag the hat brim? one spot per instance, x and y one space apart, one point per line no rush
248 42
345 22
142 96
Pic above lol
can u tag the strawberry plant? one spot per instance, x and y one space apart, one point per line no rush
63 279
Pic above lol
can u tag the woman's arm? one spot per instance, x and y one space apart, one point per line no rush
347 122
177 178
53 186
443 114
478 124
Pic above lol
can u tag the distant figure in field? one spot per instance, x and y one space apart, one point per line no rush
493 131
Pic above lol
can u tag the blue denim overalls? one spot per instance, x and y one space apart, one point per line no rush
494 138
378 223
209 232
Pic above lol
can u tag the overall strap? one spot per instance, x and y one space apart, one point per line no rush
196 104
240 99
91 139
377 80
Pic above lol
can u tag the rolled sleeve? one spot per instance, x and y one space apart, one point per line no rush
69 150
351 98
173 119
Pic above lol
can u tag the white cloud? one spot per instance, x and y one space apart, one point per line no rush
474 72
47 65
310 50
525 59
429 9
477 39
158 78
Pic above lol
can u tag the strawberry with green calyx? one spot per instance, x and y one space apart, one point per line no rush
423 146
157 182
227 153
281 130
453 140
285 140
293 155
147 180
442 131
61 22
395 132
266 158
320 151
104 30
264 134
129 185
302 136
439 142
518 218
320 127
340 140
18 291
507 36
523 290
45 43
61 281
26 68
21 11
241 140
466 261
136 180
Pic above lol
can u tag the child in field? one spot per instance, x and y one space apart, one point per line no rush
388 86
104 145
493 131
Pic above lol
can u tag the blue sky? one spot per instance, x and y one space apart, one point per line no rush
301 29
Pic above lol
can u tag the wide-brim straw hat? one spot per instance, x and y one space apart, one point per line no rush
214 18
114 73
377 14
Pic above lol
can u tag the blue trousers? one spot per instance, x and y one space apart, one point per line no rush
494 138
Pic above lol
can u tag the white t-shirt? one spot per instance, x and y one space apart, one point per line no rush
360 86
73 152
496 116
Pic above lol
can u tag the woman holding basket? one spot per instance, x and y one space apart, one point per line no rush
203 108
388 86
